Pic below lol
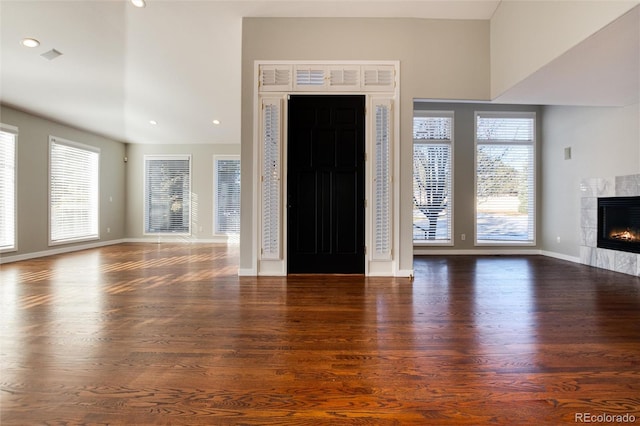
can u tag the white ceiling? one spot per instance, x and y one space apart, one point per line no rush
603 70
178 62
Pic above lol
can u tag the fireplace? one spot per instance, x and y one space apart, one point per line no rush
619 223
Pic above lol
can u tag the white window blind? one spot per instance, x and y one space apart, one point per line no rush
73 191
167 194
432 176
227 195
382 181
505 178
7 188
270 194
310 76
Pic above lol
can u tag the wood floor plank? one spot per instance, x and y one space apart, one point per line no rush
158 334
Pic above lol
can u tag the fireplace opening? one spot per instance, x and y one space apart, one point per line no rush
619 223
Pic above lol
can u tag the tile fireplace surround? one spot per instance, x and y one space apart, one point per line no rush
590 254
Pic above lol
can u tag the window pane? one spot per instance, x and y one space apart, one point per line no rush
73 191
432 181
382 185
7 191
432 128
505 180
227 196
168 195
431 192
505 129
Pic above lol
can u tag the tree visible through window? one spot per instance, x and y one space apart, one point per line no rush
167 194
505 178
432 188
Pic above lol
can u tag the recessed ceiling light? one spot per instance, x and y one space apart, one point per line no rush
216 122
30 42
138 3
153 122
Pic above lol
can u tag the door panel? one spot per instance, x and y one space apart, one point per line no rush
326 184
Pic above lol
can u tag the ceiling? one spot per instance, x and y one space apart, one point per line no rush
177 62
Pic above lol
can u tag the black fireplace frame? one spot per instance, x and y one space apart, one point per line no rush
611 209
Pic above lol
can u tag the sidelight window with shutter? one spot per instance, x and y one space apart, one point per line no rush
382 200
73 191
505 178
432 177
8 142
271 141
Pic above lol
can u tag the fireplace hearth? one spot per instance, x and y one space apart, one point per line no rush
619 223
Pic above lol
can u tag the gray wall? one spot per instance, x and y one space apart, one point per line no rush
604 141
439 59
464 169
33 181
201 185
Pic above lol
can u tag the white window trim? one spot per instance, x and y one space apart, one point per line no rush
451 143
215 190
57 140
7 128
144 184
534 144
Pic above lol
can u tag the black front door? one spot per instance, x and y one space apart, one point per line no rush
326 184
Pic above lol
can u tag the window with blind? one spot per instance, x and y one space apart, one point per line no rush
432 177
270 140
8 136
505 178
382 179
227 195
167 200
73 191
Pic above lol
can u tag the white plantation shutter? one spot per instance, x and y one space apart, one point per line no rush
73 191
270 143
8 138
227 195
275 77
432 176
382 180
378 78
309 77
167 198
344 78
505 178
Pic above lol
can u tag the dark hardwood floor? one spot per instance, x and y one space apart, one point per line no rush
168 334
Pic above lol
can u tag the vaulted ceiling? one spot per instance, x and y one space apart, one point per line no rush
177 63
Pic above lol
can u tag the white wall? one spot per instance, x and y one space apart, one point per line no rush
604 142
526 35
446 59
33 182
202 207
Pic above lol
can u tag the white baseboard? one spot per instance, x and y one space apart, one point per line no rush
560 256
404 273
474 252
58 250
185 240
247 272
